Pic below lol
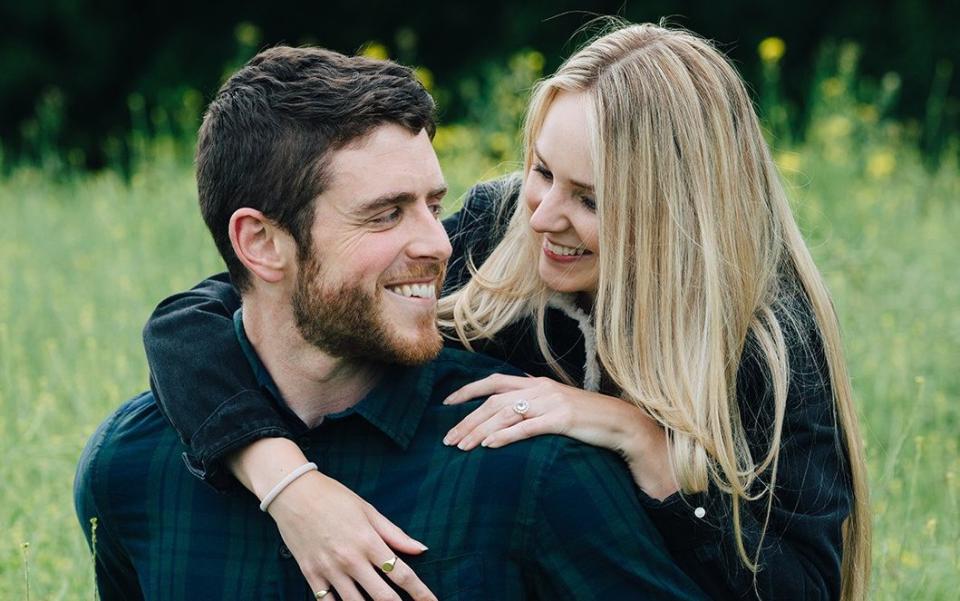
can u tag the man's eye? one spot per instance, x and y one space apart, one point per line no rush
385 218
437 210
543 171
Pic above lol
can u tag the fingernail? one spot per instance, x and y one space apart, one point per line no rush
423 547
463 445
447 440
483 443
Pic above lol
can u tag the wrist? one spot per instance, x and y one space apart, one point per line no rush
636 430
647 453
262 464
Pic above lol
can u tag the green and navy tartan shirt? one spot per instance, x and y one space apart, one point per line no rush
547 518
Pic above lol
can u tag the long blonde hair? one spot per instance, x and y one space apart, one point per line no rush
698 251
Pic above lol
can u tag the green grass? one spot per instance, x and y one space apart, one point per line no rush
86 257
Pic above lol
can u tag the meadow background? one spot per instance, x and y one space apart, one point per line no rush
86 255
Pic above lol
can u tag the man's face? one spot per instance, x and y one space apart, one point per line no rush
368 290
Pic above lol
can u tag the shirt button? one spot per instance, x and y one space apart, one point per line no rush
285 552
700 512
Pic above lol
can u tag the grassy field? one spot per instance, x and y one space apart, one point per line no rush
86 256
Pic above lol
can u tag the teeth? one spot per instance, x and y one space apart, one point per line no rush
415 290
562 250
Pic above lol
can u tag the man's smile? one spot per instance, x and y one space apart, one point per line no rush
415 290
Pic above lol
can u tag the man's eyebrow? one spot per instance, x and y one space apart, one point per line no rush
576 184
397 198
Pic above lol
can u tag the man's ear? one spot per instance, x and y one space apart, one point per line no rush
263 247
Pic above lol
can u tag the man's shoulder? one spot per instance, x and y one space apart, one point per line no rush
126 441
455 367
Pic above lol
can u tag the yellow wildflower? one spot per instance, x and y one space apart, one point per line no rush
247 34
424 76
868 113
375 50
881 164
832 87
789 162
837 127
499 142
909 559
536 61
772 49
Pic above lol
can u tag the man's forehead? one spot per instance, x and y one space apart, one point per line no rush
390 159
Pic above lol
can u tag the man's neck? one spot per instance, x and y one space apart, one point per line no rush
312 383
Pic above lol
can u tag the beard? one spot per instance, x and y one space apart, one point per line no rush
348 322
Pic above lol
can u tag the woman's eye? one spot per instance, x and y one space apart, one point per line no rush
544 173
589 203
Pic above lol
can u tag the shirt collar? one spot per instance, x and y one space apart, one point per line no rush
394 406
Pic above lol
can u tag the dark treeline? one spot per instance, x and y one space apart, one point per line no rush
72 69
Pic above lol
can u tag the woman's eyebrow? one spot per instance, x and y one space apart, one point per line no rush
576 184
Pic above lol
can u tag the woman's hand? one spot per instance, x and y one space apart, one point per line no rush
523 407
338 539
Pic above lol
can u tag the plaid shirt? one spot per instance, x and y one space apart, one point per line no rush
546 518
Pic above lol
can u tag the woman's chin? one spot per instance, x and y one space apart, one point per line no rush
566 283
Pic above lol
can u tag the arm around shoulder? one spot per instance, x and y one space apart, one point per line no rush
201 378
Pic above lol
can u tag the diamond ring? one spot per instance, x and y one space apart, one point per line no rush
521 407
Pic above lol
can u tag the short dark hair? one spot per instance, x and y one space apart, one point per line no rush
266 138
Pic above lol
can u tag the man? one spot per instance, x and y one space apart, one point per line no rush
318 181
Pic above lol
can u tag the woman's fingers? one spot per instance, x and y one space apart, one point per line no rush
345 589
502 419
318 584
369 578
392 535
336 536
403 576
481 414
492 384
527 428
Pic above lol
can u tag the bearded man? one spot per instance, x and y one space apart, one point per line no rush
320 186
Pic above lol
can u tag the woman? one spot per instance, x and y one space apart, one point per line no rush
674 298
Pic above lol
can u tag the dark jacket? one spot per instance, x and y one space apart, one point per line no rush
213 400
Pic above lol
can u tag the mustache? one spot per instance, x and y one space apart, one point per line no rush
420 271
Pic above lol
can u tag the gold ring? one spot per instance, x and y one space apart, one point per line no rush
387 566
321 594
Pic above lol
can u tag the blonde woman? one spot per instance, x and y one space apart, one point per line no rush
674 316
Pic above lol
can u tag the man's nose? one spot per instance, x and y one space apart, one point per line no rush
431 240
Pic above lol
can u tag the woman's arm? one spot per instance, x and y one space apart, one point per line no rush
522 407
206 388
202 380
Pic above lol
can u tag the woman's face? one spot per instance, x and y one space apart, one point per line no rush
559 192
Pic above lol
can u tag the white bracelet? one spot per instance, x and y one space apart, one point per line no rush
276 490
